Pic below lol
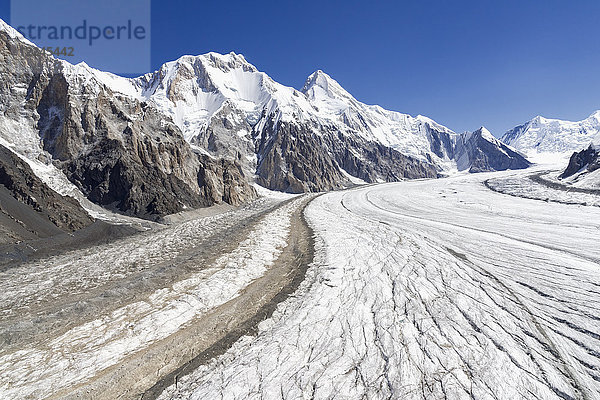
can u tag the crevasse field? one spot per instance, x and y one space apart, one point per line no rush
426 290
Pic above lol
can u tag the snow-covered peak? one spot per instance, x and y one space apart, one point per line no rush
208 70
224 62
13 33
594 118
486 134
421 119
319 85
403 132
481 132
317 78
193 88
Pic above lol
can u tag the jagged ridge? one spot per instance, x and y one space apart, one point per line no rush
120 151
200 128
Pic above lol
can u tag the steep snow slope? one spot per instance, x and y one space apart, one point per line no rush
402 132
203 92
207 93
193 88
553 139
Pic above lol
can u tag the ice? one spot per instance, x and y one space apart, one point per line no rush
424 290
538 185
87 349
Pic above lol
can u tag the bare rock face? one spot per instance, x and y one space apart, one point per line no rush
229 136
484 153
39 202
291 158
587 160
112 175
299 157
119 151
223 181
374 162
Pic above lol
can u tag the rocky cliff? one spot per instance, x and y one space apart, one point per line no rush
29 208
581 162
120 151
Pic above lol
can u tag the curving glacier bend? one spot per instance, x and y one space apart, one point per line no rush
432 289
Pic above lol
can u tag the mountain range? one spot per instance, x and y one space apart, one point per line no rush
205 129
554 138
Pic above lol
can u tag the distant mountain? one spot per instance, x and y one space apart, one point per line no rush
480 151
302 140
553 136
201 129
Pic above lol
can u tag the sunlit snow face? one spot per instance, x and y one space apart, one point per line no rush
552 140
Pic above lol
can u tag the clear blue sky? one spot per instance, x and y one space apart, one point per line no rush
462 63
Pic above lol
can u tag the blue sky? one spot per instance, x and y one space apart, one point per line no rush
462 63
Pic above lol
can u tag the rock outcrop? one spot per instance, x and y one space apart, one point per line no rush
584 161
29 208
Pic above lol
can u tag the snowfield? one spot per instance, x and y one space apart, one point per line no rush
434 289
545 139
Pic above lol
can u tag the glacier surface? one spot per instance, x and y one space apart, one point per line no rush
429 289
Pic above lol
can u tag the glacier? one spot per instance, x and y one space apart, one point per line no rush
429 289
